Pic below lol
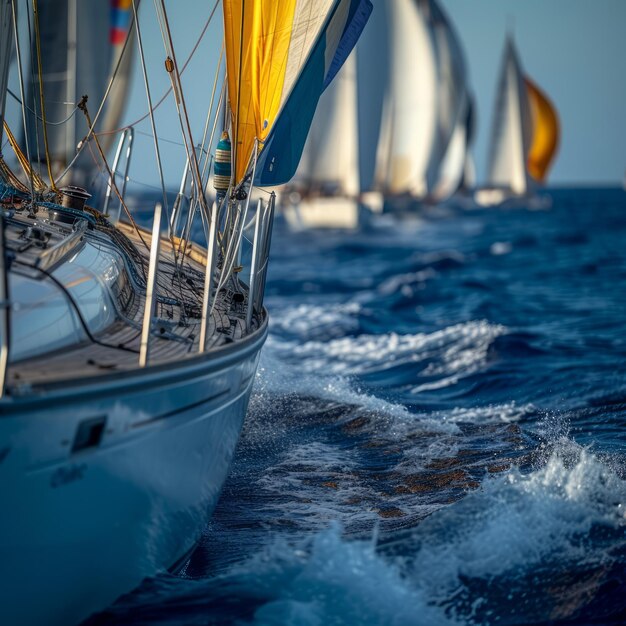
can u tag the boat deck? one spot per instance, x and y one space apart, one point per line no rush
176 323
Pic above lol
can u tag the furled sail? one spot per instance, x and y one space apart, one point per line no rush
81 44
512 127
545 138
408 131
280 56
330 160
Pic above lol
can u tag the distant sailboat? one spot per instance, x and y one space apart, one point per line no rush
525 135
325 190
408 131
424 138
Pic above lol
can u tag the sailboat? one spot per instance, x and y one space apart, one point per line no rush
325 188
524 138
127 356
423 143
455 120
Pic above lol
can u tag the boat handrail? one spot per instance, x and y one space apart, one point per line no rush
144 350
128 136
4 310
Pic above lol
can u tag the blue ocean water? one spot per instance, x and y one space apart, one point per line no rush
437 433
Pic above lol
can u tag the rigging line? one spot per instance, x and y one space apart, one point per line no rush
208 161
26 166
42 100
189 147
18 55
211 102
34 112
228 262
169 90
83 107
175 78
148 185
156 148
145 134
210 155
149 97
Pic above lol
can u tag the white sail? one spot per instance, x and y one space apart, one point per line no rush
330 161
452 168
511 132
469 175
6 39
409 120
452 90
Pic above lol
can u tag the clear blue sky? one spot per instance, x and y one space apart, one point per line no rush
574 49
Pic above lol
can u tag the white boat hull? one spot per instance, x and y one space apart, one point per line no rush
489 197
83 524
327 212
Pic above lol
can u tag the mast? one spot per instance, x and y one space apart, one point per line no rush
5 57
70 86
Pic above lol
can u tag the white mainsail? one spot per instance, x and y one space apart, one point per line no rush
512 128
408 131
330 161
454 107
452 92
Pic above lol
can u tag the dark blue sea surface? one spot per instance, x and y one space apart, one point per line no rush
437 433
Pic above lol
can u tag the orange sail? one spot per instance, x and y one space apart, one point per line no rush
545 138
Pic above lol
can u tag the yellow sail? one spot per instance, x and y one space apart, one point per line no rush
545 139
254 31
266 42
